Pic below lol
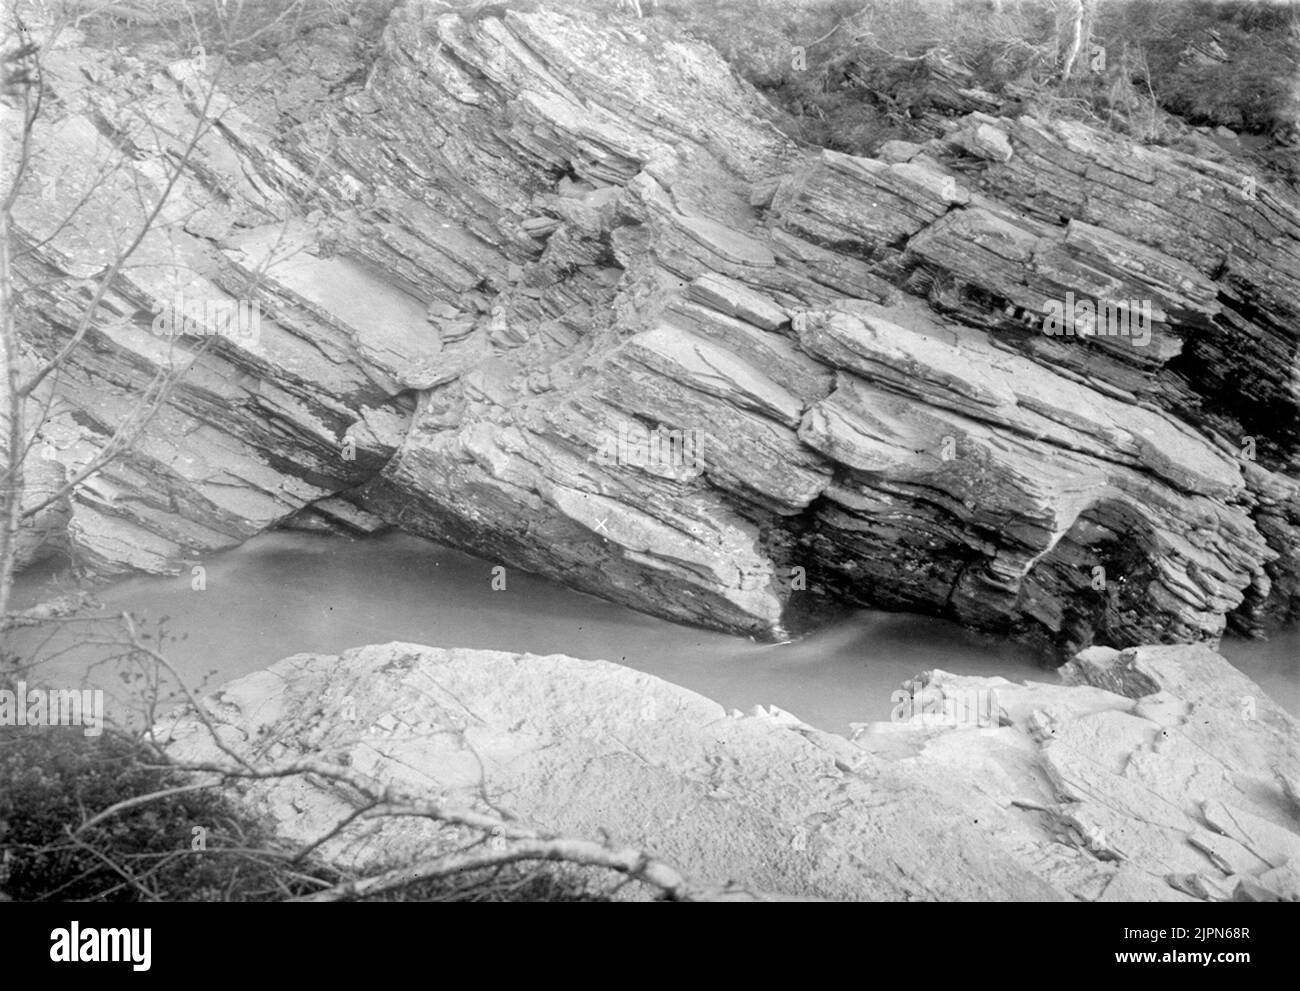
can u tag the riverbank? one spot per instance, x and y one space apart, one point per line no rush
473 279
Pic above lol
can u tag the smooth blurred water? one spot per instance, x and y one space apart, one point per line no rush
287 593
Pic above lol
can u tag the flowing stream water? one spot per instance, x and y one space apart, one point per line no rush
285 593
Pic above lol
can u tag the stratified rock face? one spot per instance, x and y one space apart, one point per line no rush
558 292
1159 776
40 535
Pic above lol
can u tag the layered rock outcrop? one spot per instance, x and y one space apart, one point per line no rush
1158 773
488 258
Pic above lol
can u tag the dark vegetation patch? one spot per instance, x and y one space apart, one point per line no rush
200 844
55 780
852 74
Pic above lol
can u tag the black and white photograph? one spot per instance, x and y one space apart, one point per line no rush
772 451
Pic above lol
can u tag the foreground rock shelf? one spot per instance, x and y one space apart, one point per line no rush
1157 773
480 258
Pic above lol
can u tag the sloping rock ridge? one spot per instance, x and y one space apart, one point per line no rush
1155 774
492 263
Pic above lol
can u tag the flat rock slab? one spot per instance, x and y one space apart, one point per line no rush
585 747
1054 791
